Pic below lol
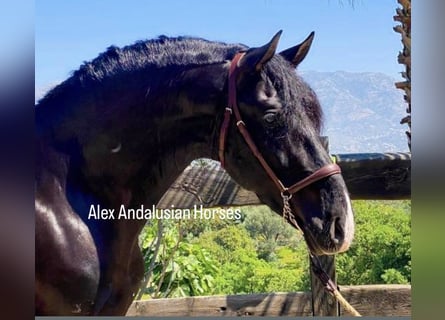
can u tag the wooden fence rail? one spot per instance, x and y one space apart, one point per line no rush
369 300
376 176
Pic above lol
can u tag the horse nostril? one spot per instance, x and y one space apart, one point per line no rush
337 231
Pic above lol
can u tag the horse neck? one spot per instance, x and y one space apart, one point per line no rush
181 125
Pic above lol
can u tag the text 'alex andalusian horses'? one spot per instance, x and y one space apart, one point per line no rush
124 126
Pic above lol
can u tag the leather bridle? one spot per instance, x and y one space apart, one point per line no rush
286 192
232 108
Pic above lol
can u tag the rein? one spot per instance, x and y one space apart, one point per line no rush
286 192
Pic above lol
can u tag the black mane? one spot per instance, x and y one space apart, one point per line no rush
117 65
160 52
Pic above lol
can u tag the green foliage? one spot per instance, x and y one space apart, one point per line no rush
189 273
393 276
243 271
262 254
179 268
236 255
269 231
296 259
195 227
381 251
277 280
235 238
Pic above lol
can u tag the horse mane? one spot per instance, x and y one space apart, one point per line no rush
158 53
155 53
116 63
177 52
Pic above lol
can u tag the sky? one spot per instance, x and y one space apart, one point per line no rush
356 38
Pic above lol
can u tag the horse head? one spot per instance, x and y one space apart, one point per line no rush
283 117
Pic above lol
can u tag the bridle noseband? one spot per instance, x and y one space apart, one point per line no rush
232 108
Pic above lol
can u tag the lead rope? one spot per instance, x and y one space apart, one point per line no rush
329 285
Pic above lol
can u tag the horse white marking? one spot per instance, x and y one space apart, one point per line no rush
349 225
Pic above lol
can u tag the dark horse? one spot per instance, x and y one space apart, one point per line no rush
124 126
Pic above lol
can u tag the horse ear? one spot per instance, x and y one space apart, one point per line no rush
255 58
297 54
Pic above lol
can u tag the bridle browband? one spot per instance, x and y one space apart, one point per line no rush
232 108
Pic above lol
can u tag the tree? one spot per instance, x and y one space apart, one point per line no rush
269 231
381 251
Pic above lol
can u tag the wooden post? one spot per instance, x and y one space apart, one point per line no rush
324 304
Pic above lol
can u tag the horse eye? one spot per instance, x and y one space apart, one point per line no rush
270 118
270 93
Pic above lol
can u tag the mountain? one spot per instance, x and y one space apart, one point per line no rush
362 111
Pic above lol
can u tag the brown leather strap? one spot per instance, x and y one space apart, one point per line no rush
230 107
243 130
323 172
